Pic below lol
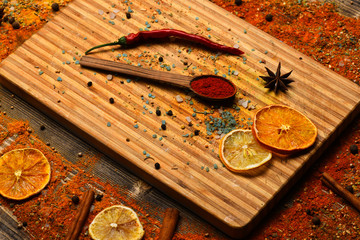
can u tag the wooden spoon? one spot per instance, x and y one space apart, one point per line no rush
171 78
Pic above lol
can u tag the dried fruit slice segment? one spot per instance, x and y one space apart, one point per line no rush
23 173
283 129
239 151
116 223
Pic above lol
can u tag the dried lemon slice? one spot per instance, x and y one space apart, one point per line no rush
23 173
116 223
239 151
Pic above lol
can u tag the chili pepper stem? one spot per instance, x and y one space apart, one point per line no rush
121 42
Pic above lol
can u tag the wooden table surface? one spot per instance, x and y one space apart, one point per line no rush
73 145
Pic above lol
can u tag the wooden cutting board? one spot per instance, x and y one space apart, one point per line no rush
45 72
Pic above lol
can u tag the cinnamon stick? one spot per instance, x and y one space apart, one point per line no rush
336 187
169 224
78 223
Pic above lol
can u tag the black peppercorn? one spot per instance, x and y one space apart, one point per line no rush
15 25
269 17
308 212
197 132
24 224
128 15
316 220
161 59
11 20
238 2
349 188
98 197
157 166
55 7
89 84
42 127
158 112
1 13
163 126
75 199
170 113
354 149
111 100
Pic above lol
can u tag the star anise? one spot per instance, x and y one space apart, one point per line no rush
277 81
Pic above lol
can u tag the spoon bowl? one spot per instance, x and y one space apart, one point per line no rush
160 76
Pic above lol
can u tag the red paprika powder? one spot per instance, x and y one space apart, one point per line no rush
213 87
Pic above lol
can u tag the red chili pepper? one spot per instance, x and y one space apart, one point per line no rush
132 39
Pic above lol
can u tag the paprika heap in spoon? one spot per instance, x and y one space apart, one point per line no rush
209 87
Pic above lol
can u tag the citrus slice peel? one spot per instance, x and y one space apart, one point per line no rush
239 151
23 173
283 130
116 223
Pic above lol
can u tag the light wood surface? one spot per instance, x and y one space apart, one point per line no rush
234 203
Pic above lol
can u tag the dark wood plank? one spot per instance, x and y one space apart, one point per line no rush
9 229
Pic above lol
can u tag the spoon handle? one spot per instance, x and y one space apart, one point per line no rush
172 78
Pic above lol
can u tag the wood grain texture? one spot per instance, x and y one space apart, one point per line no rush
9 229
234 203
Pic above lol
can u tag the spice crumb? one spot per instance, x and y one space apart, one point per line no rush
98 197
354 149
75 199
157 166
55 7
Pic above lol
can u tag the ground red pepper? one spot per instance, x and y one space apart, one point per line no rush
212 87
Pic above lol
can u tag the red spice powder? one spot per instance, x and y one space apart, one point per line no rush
212 87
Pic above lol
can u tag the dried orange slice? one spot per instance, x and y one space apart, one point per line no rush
23 173
283 129
116 223
239 151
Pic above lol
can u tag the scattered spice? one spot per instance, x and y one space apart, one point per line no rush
316 220
140 37
349 188
169 224
55 7
16 25
269 17
111 100
169 113
213 87
89 84
308 34
128 15
75 199
157 166
98 197
277 81
238 2
354 149
81 217
158 112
